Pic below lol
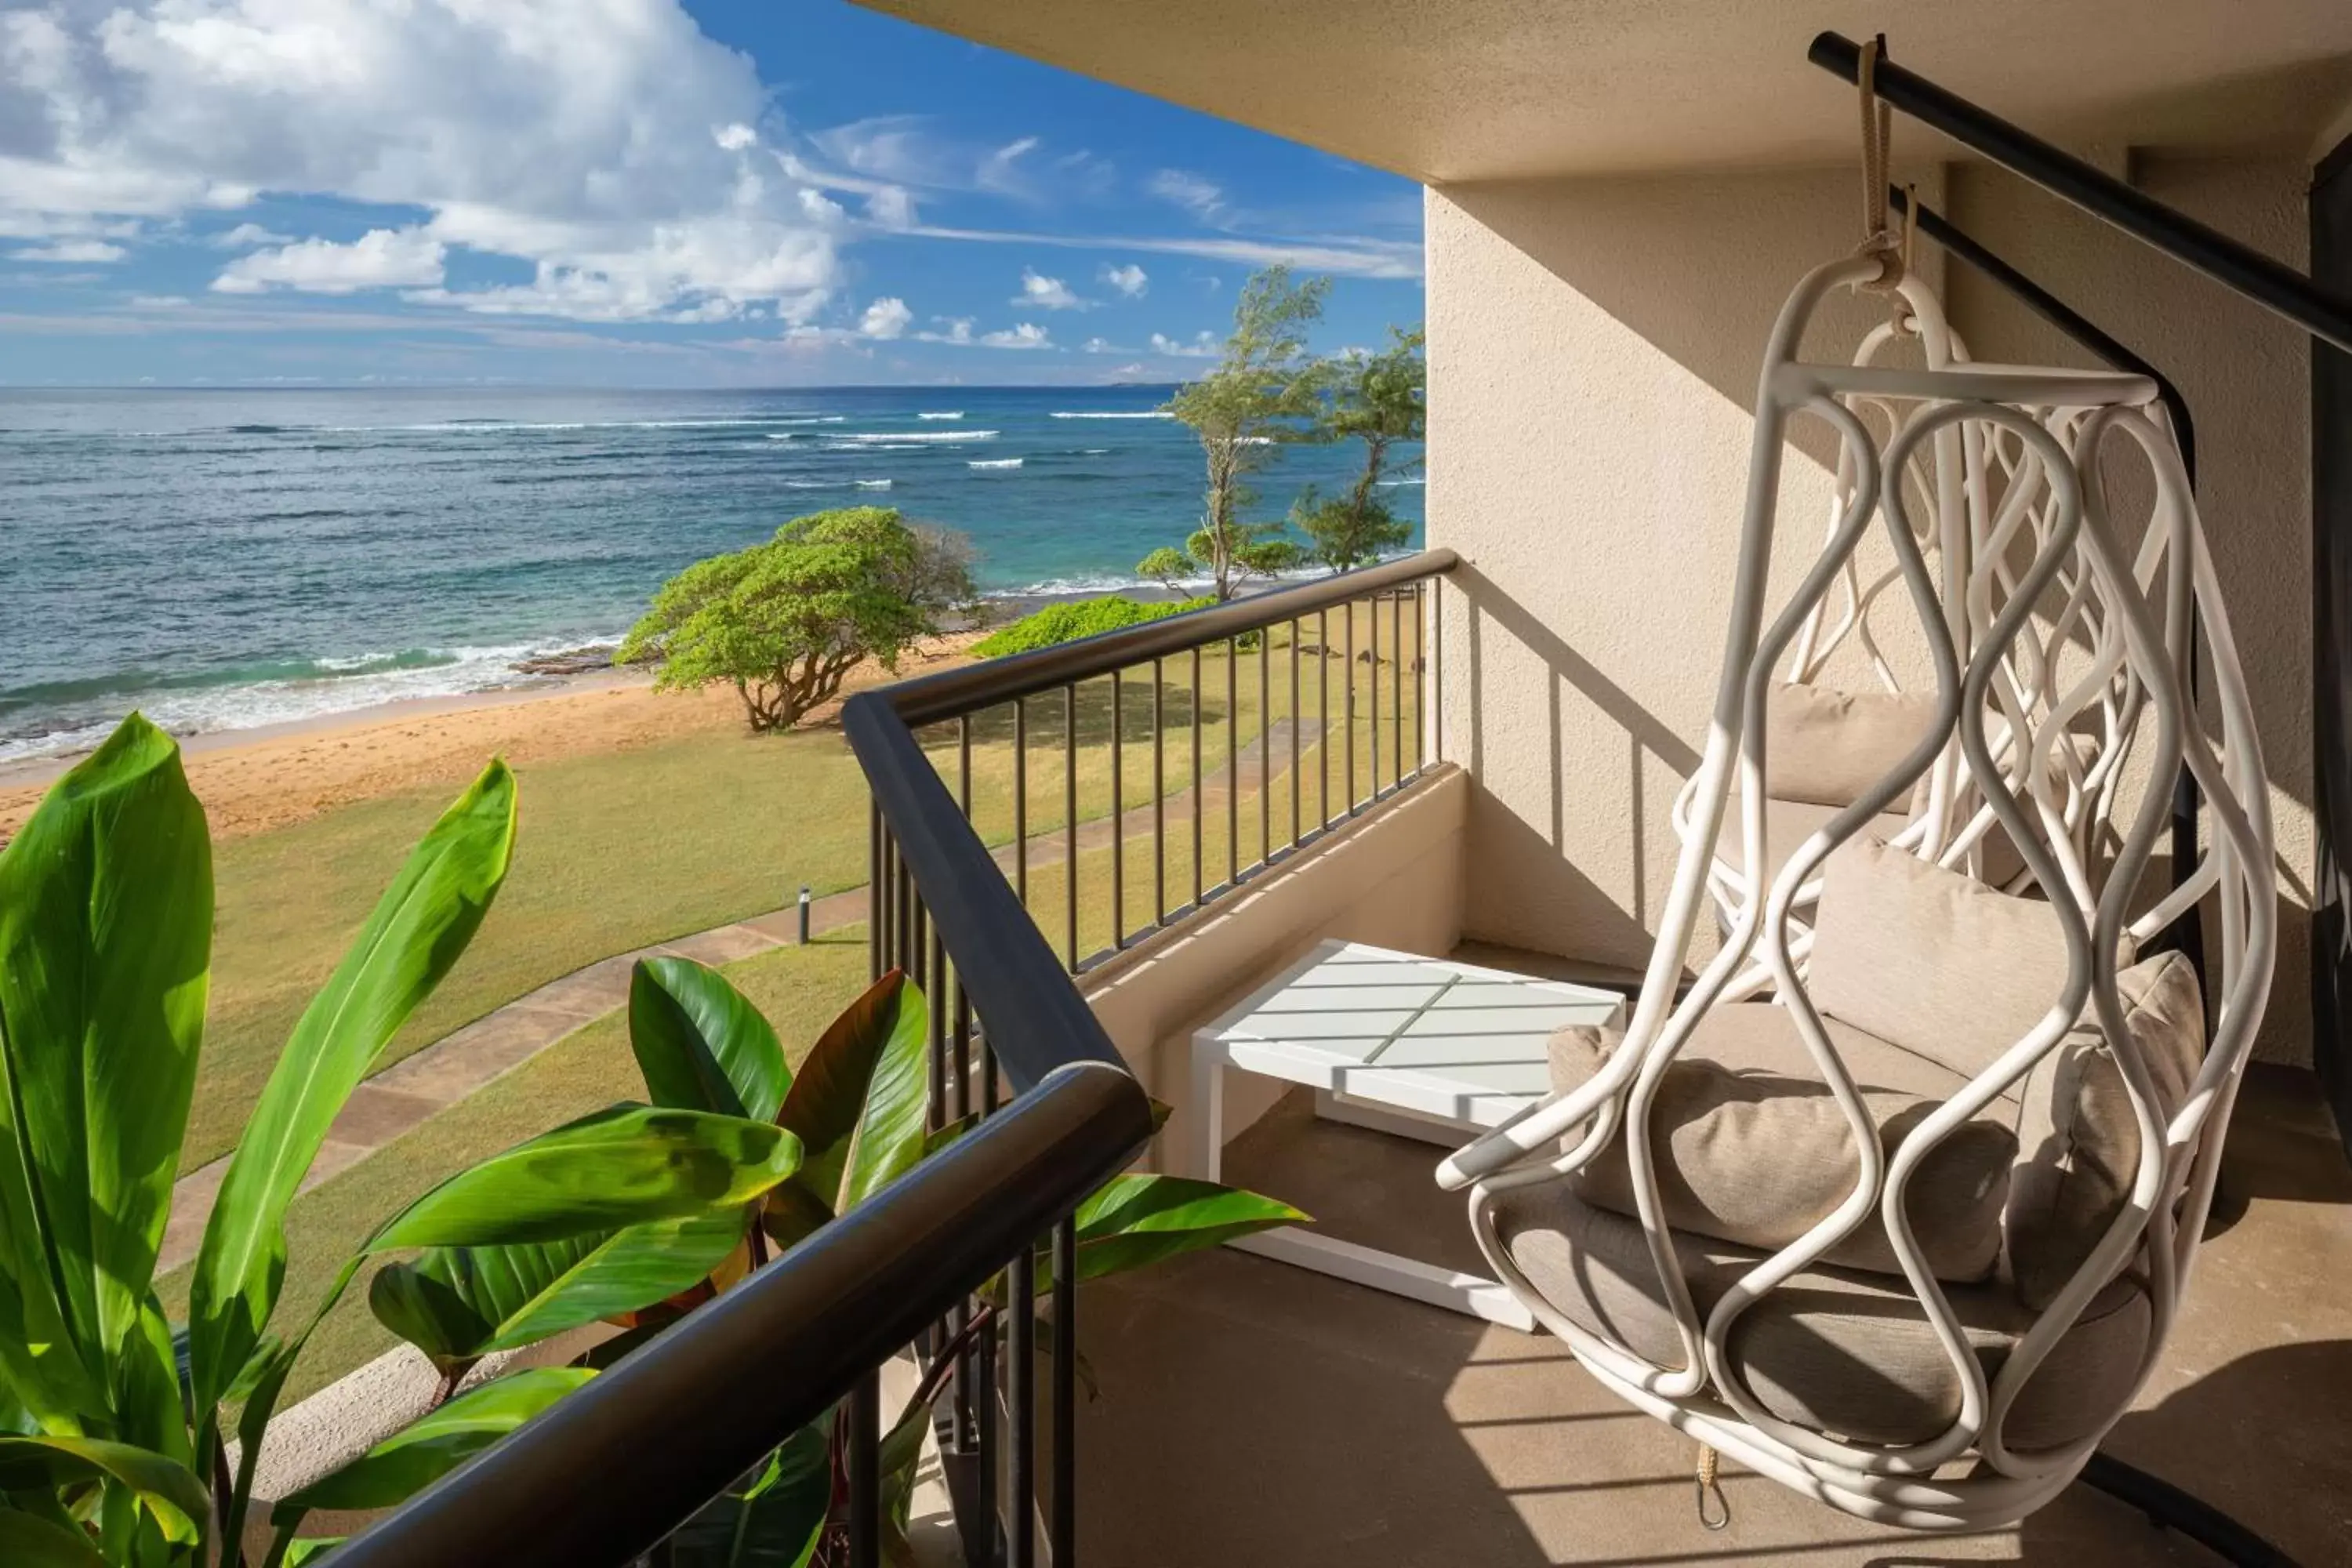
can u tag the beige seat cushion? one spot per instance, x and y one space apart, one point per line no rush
1750 1147
1838 1351
1826 747
2079 1139
1929 960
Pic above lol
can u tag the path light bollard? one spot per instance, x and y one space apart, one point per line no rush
804 914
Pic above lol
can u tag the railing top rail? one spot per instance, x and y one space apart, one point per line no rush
952 693
614 1468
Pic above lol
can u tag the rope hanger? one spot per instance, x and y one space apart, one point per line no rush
1882 241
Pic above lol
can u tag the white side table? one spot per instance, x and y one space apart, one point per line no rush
1419 1047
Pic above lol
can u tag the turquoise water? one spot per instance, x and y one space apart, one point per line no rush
227 559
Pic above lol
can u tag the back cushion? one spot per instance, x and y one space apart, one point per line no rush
1826 747
1934 962
2079 1142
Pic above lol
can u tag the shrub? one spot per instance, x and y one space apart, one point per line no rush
1078 618
784 622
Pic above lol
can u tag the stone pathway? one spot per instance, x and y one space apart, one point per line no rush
403 1095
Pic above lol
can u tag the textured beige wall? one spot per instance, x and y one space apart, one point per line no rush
2247 378
1393 878
1593 353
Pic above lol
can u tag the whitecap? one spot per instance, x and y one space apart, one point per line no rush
994 463
869 436
951 414
873 484
1115 413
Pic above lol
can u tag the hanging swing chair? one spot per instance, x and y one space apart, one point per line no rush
1896 1203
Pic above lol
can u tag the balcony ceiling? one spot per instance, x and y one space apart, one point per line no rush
1447 90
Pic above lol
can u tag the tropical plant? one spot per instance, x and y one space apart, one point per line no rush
1377 399
784 622
859 1105
1078 618
1263 394
114 1422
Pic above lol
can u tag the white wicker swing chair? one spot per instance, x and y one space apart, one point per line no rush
1938 1328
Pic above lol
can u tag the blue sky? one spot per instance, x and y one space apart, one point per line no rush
630 192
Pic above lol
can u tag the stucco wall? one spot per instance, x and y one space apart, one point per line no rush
1594 350
1392 877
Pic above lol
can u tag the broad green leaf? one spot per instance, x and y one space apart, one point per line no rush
106 915
700 1043
310 1548
1136 1220
167 1490
409 1460
27 1541
474 1301
418 928
624 1166
776 1521
849 1102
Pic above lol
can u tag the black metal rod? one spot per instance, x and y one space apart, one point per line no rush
1298 780
932 698
1421 603
1396 684
1020 800
1159 793
1063 1535
1265 745
1323 715
713 1396
2167 1506
863 1442
1437 666
1033 1020
2235 266
1372 690
873 891
1198 852
1233 761
1019 1418
1348 676
1070 814
1118 818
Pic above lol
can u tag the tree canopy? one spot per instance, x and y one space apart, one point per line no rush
1377 399
1263 392
784 621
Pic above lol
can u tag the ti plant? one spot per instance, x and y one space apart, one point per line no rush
115 1423
859 1106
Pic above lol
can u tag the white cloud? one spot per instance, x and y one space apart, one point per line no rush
158 301
958 331
890 206
1130 279
1202 346
1098 346
1195 193
1048 293
1346 256
380 258
246 236
1001 170
886 318
71 250
1026 335
607 143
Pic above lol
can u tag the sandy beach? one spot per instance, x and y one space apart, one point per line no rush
254 780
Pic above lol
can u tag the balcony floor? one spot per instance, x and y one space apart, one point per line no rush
1253 1413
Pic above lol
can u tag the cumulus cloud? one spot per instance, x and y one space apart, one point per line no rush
246 236
380 258
71 250
887 317
1026 335
953 330
1202 346
1046 294
1130 279
1098 346
890 206
607 143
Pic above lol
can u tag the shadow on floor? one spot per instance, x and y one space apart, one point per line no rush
1252 1412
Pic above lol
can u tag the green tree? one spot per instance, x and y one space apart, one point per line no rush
1377 399
784 622
1263 393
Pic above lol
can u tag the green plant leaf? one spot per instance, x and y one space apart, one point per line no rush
480 1299
850 1097
167 1490
413 1458
775 1520
701 1043
419 927
106 914
1137 1220
310 1548
628 1165
27 1541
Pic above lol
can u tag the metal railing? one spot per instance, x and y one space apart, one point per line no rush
607 1474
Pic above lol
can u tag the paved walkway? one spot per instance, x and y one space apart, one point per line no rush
403 1095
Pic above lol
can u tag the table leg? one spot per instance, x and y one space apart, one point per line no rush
1206 1111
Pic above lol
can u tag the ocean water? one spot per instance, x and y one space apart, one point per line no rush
225 559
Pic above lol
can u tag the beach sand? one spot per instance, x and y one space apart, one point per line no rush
251 780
